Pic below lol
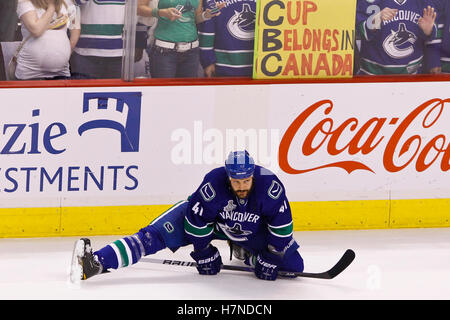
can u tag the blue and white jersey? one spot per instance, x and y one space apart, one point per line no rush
102 24
396 46
263 218
227 40
438 54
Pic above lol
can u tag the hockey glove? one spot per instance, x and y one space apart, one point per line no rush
208 260
266 265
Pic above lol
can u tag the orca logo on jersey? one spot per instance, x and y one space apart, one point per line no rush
399 43
235 232
242 24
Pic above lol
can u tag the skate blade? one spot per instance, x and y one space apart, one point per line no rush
76 270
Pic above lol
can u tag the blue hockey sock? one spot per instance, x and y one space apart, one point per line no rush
129 250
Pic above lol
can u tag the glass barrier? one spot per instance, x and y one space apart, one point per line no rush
194 39
128 39
61 39
386 37
104 39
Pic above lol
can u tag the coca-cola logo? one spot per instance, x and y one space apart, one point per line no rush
368 136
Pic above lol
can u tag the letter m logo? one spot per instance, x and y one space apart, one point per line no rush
119 111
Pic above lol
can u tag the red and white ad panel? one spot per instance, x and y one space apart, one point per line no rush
144 145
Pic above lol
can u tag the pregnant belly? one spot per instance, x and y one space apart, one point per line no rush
50 53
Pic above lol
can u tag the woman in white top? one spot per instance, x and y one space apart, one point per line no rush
47 48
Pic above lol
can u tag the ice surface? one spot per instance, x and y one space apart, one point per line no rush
389 264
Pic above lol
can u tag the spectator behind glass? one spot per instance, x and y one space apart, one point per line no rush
226 42
175 53
394 34
8 26
46 52
98 54
144 31
438 53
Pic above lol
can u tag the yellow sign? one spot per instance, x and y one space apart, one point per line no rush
304 39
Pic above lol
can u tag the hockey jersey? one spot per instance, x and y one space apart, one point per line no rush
263 218
102 23
227 40
438 53
396 46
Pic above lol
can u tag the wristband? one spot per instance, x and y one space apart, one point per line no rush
155 12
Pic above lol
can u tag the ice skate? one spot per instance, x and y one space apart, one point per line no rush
84 263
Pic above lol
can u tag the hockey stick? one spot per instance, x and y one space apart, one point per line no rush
340 266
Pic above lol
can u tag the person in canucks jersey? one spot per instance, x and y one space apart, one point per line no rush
226 42
242 203
394 34
98 53
438 53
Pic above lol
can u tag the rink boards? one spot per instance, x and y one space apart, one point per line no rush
109 159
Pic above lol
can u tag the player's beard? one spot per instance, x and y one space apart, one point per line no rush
242 194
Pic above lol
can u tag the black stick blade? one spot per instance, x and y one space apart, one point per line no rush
346 259
342 264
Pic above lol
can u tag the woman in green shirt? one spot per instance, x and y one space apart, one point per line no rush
175 52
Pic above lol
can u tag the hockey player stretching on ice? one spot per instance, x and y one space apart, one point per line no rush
241 202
